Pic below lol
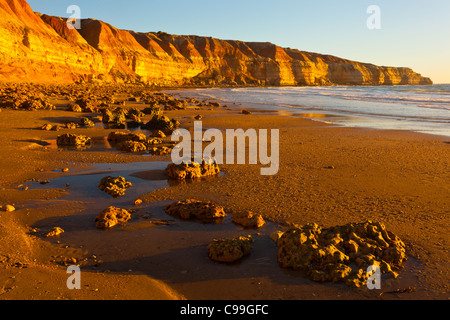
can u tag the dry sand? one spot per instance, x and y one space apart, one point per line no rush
328 175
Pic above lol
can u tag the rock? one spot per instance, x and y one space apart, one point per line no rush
160 150
248 219
158 134
47 127
246 112
126 136
112 216
73 140
71 125
195 209
153 111
72 106
328 254
115 187
86 122
54 232
131 146
193 170
116 116
9 208
162 123
230 250
198 117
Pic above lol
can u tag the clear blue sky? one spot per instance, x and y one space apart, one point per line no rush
414 33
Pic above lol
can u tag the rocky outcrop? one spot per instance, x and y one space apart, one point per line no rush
230 250
112 216
208 211
40 48
342 253
115 187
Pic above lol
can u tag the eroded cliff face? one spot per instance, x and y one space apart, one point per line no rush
40 48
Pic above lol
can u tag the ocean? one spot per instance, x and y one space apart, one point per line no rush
423 109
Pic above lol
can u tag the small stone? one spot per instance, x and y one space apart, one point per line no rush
54 232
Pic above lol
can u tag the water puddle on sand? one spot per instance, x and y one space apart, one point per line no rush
167 248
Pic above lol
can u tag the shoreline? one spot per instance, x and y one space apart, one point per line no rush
304 191
343 118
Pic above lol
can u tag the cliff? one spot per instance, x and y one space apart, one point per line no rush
40 48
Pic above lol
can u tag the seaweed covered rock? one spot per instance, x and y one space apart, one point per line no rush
162 123
248 219
195 209
112 216
230 250
342 253
115 187
72 140
192 170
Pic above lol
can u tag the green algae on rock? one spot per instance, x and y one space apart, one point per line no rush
342 253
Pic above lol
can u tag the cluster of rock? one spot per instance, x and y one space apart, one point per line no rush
72 140
192 170
112 216
342 253
114 186
208 212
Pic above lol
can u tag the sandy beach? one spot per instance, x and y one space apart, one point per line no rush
328 175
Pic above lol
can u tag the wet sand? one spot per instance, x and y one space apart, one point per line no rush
328 175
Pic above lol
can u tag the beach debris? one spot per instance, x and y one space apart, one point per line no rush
114 186
230 250
192 170
248 219
342 253
72 140
112 216
54 232
208 211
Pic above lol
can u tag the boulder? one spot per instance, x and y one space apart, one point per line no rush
131 146
116 116
112 216
230 250
329 254
248 219
72 140
162 123
115 187
192 170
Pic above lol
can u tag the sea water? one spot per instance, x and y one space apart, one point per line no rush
423 109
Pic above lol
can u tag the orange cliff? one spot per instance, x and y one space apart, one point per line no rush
40 48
